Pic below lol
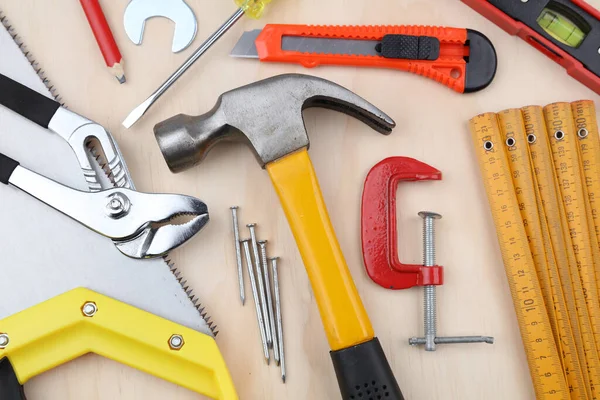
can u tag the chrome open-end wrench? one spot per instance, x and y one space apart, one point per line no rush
138 11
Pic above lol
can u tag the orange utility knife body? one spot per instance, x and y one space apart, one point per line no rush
462 59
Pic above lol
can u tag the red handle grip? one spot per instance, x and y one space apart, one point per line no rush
449 69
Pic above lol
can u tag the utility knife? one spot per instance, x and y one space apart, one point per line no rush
462 59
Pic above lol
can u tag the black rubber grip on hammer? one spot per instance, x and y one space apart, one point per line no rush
363 372
27 102
10 388
409 47
7 167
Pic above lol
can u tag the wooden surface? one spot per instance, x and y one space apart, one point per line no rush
431 120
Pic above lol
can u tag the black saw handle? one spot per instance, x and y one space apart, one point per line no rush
10 388
363 372
27 102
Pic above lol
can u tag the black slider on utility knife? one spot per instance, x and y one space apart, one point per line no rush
409 47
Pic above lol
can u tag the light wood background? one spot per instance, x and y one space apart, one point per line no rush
431 120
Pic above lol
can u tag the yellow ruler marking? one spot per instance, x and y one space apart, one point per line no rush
536 332
584 114
557 228
512 130
564 145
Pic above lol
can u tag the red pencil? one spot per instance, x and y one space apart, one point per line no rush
105 38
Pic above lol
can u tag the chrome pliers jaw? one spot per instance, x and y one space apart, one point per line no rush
139 224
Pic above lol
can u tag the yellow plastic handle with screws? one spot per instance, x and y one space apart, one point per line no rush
82 321
253 8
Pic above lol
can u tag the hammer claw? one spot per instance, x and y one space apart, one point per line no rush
267 115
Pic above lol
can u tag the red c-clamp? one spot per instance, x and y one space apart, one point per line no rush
378 225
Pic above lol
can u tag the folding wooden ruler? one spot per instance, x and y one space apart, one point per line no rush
541 173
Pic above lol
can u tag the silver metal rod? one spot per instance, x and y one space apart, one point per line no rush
265 265
238 253
453 340
430 300
259 317
279 318
140 110
261 283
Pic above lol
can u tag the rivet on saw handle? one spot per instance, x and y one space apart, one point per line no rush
378 225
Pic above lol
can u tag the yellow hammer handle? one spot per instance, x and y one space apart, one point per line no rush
344 316
57 331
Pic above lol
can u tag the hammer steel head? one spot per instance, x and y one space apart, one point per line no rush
267 115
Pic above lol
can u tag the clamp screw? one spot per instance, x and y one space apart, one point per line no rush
4 340
176 342
430 300
430 314
118 205
89 309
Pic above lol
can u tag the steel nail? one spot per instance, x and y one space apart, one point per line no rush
259 317
279 316
238 253
265 265
261 284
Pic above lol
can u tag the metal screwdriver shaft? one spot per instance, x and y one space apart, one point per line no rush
430 301
253 8
238 253
259 318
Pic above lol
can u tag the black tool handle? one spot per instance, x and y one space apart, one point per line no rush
27 102
10 388
7 167
363 372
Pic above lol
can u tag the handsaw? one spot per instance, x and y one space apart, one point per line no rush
55 264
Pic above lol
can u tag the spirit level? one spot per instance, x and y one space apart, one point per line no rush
566 31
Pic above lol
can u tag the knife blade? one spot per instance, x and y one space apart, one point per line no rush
246 46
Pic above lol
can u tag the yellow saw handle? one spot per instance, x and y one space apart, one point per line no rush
344 317
82 321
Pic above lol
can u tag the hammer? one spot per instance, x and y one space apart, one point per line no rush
267 115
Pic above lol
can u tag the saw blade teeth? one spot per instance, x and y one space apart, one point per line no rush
53 91
11 31
190 293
